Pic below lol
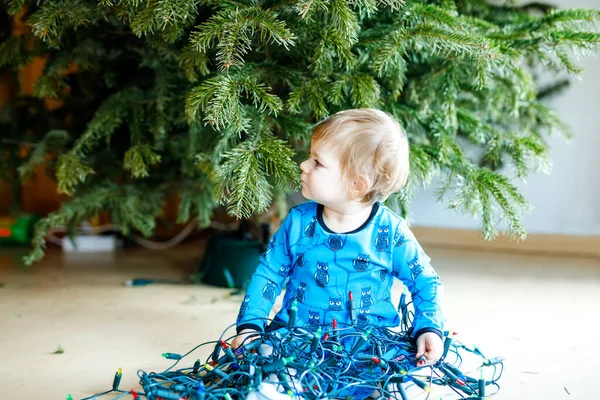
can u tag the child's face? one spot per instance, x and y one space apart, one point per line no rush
322 177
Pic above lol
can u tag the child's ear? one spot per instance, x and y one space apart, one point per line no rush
359 187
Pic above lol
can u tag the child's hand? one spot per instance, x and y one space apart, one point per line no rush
429 345
241 337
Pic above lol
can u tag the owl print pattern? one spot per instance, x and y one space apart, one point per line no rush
284 270
244 307
309 230
314 320
269 291
361 262
322 274
366 300
300 260
301 292
382 241
335 304
335 242
363 317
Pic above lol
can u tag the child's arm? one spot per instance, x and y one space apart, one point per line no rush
267 282
412 266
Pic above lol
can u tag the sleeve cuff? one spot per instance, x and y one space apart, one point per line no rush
425 330
255 327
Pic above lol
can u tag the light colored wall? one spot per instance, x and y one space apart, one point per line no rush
567 201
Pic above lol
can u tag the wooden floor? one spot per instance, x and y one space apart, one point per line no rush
542 314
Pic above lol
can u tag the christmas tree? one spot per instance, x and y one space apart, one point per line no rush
214 100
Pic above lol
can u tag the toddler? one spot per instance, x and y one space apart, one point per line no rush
344 244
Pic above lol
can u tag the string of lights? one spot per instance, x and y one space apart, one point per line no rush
331 362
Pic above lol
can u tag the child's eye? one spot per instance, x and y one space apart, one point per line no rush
317 163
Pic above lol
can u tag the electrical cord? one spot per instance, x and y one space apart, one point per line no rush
329 361
149 244
300 363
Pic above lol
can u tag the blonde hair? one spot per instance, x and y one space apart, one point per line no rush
371 144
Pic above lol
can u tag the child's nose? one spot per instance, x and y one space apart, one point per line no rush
304 166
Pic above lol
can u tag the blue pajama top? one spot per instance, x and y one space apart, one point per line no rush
324 266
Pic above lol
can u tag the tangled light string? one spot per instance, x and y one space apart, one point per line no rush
329 363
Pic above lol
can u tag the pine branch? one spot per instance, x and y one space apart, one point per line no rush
50 22
393 4
344 21
364 90
308 8
138 158
50 86
219 97
13 52
292 129
144 22
452 44
193 63
277 160
83 56
172 12
365 8
107 119
451 19
388 55
422 170
196 201
132 208
110 3
549 121
47 144
479 191
538 6
332 45
312 94
568 17
232 30
552 89
71 171
163 87
15 6
242 183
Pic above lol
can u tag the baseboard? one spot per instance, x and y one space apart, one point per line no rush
542 244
